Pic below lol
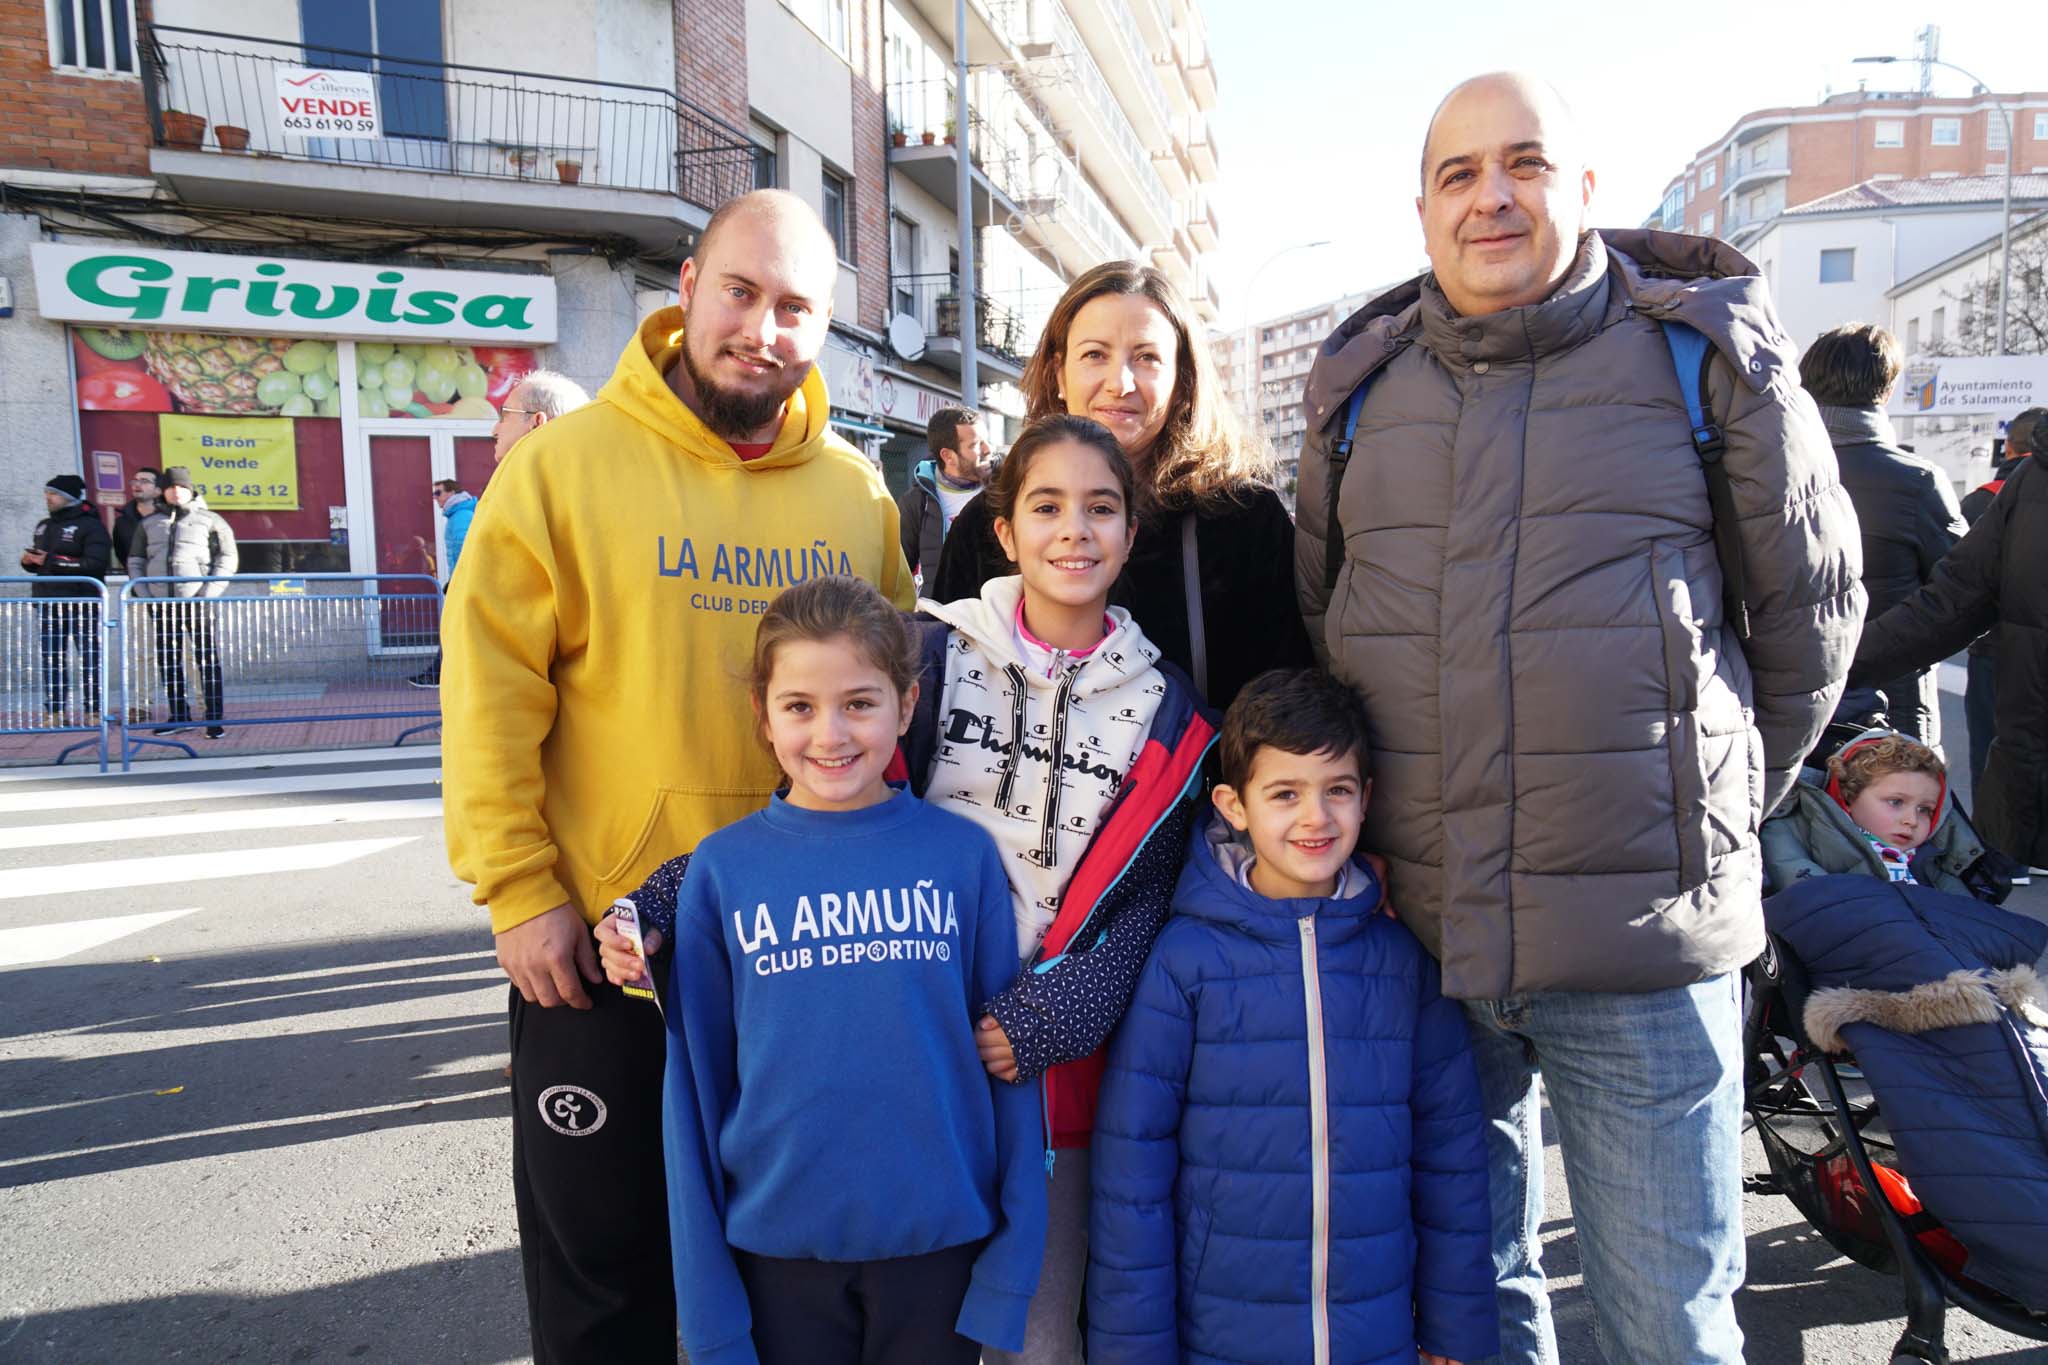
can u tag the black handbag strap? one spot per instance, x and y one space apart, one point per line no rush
1191 581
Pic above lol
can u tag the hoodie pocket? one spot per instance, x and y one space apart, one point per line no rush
1680 634
677 817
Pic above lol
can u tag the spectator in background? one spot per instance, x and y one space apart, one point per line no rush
456 508
941 485
70 543
2023 437
141 623
1996 579
1904 504
537 399
141 503
186 539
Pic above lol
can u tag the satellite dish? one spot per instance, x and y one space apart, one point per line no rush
906 337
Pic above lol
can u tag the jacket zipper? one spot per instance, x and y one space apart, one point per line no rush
1319 1144
1049 822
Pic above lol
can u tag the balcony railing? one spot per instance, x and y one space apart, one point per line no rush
934 300
447 118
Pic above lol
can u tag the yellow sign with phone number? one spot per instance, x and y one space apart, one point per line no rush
238 464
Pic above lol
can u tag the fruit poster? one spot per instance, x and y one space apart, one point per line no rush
133 370
246 464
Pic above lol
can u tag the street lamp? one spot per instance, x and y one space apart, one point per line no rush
2005 215
1258 411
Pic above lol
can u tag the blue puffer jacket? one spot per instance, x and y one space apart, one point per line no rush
1290 1160
1937 997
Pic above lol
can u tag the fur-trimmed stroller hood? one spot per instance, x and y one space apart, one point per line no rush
1937 996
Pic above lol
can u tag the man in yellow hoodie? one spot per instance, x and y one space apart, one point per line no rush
594 721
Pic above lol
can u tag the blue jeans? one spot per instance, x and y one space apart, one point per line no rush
1646 1091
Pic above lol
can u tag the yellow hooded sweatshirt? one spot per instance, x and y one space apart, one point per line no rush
594 716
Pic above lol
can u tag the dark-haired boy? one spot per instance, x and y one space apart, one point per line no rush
1289 1158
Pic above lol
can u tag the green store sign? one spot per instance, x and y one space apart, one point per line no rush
203 292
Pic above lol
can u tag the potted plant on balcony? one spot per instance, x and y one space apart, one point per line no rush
183 130
929 137
231 138
949 132
568 169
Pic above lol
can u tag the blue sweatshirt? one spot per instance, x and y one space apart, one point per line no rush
824 1100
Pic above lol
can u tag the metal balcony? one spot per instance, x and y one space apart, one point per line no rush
934 300
998 175
459 144
1112 29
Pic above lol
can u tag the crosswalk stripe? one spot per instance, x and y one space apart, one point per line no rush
96 797
216 822
70 879
411 753
52 942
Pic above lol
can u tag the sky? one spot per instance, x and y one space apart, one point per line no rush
1320 114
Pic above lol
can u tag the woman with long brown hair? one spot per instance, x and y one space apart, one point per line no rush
1211 576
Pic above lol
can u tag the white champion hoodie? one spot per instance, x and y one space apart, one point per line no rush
1036 760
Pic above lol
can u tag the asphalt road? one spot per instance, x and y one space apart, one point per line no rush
251 1106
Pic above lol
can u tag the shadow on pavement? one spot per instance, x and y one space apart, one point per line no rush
93 1103
465 1311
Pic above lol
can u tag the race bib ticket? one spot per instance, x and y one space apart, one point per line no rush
627 916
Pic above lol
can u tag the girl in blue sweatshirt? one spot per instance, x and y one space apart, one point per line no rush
845 1182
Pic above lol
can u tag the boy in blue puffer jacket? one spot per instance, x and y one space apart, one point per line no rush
1290 1159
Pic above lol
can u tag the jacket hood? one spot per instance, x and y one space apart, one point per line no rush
1124 658
926 475
639 388
1209 889
1705 284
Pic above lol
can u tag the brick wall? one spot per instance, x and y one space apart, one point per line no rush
870 163
711 57
57 122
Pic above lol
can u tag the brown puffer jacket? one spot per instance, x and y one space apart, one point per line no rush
1572 750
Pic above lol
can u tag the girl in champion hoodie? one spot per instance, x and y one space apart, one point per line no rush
1047 718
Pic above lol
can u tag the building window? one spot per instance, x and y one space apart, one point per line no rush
904 262
407 40
1706 225
1912 336
93 35
1707 176
1688 191
826 18
838 196
2041 127
1838 265
1994 132
1890 133
1945 132
1940 321
765 169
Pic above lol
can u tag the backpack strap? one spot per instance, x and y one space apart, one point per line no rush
1691 354
1340 456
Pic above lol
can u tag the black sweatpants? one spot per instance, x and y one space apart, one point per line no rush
895 1312
587 1179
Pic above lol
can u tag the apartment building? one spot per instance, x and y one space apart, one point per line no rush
1264 368
1771 159
1837 259
489 187
1087 139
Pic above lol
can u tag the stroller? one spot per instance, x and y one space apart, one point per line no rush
1830 1150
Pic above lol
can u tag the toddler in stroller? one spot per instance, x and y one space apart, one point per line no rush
1886 940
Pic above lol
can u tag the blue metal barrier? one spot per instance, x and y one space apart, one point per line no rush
203 655
54 660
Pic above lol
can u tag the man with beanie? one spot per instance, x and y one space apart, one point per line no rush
186 539
72 543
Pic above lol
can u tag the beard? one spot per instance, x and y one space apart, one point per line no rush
733 414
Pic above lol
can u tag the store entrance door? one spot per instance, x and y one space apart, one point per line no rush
405 460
